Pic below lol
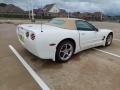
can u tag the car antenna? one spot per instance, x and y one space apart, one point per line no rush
41 15
68 13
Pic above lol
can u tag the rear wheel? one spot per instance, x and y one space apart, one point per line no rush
109 40
64 51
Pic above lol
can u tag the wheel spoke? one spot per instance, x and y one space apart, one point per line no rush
63 57
69 49
65 46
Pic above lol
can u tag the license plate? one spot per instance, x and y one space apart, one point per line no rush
22 38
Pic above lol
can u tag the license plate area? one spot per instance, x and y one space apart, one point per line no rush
22 38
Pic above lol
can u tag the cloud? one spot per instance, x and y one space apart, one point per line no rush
111 7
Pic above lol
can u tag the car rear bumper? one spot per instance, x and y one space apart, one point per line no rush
37 47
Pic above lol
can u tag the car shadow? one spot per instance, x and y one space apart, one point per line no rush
43 64
36 62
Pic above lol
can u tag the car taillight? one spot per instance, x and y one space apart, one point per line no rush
32 36
27 34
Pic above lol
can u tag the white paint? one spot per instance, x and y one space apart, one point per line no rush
39 81
117 40
115 55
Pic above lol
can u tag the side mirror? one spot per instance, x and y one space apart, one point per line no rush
97 30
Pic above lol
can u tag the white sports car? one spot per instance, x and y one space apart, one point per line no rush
60 38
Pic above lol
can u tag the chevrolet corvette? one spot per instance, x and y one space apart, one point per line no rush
60 38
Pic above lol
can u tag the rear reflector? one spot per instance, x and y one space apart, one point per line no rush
33 36
27 34
52 44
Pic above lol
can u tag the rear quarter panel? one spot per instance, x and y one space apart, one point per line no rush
55 36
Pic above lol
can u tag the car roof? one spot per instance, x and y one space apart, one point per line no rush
70 23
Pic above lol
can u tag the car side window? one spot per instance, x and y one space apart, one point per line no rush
84 26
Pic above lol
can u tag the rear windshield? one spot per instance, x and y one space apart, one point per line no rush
57 22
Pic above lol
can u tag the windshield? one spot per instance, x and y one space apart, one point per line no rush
57 22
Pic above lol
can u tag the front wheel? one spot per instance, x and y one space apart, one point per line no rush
109 40
64 51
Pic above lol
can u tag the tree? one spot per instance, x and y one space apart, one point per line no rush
3 4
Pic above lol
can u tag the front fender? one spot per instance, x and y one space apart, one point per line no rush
105 32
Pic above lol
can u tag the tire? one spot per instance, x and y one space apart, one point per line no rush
109 40
64 51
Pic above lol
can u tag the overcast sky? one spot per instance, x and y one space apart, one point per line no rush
111 7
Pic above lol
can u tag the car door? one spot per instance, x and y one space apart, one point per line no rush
88 34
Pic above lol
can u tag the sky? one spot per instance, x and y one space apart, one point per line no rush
109 7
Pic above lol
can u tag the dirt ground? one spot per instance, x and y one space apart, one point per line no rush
87 70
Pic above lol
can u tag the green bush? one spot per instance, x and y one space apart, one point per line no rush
3 4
